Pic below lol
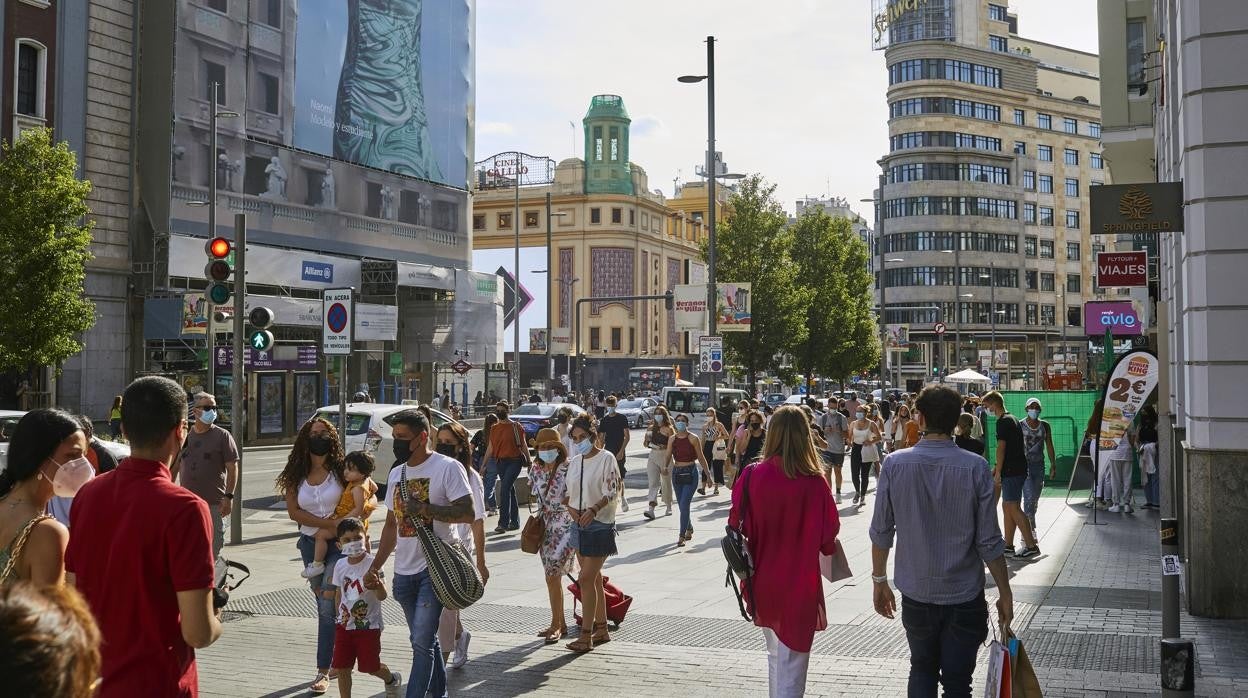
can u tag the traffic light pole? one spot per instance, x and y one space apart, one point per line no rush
238 395
212 233
667 298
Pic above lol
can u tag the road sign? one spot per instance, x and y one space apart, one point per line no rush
710 354
461 367
509 295
338 325
939 328
260 340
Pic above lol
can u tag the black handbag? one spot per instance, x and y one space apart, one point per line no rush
736 552
682 476
456 581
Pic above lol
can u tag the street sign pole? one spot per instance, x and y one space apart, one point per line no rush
337 339
238 394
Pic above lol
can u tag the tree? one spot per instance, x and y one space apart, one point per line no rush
832 268
752 246
44 236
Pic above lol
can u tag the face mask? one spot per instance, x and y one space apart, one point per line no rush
860 414
71 476
402 450
756 425
1034 414
352 548
681 426
658 419
501 415
449 450
584 447
563 419
208 416
548 456
319 445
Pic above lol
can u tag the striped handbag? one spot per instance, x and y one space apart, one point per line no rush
456 581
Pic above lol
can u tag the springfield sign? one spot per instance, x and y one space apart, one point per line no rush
910 20
1137 208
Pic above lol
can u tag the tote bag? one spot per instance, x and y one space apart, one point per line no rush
456 581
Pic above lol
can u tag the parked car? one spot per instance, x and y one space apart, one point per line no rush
367 430
533 416
640 411
9 420
773 399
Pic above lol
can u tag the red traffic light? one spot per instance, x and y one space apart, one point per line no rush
218 248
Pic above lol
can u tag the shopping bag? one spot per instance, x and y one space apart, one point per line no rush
835 567
1023 681
997 684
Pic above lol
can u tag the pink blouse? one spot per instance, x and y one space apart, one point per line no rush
789 522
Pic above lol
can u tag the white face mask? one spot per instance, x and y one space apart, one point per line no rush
584 447
352 548
71 476
658 419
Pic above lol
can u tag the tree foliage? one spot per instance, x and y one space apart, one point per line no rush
832 268
44 239
752 246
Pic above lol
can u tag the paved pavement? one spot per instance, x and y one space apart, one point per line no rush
1088 610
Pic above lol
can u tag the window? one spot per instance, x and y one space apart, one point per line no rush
1029 213
1047 282
1074 317
531 219
1046 216
219 5
1072 251
504 221
1137 83
617 215
950 206
1094 129
1046 249
1044 121
1031 314
595 215
997 13
478 221
1031 279
1047 315
615 145
943 69
1046 184
598 143
1097 162
1029 246
1072 187
1020 148
214 72
31 76
1020 117
617 338
944 105
1070 125
946 240
270 94
271 12
1072 219
1045 153
943 139
1072 157
1029 180
632 216
595 339
998 43
966 172
1072 283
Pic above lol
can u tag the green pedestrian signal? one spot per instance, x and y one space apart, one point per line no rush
261 340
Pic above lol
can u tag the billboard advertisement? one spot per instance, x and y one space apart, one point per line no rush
734 307
1119 317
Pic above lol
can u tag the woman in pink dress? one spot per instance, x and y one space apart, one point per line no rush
790 518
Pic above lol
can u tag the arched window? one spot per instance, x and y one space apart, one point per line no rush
30 72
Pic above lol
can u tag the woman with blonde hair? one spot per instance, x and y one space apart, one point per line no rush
785 508
660 475
549 477
715 447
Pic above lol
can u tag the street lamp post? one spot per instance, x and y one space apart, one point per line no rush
211 203
957 303
550 323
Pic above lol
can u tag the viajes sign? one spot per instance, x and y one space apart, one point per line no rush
1137 208
1122 269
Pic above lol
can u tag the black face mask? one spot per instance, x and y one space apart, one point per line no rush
502 416
449 450
563 419
402 450
320 445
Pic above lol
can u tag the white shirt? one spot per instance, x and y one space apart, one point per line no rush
359 609
439 480
601 477
319 500
464 531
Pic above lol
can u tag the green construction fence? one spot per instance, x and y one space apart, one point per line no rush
1066 411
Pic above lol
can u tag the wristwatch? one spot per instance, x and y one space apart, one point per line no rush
228 495
882 579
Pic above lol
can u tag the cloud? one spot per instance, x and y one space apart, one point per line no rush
647 126
495 128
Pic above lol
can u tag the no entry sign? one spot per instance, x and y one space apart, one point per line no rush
1127 269
338 324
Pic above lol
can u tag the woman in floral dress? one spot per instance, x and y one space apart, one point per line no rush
548 475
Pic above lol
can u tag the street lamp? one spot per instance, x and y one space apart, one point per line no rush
957 310
550 263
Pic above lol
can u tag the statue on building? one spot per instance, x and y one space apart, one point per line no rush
178 153
236 176
387 202
327 189
276 180
425 206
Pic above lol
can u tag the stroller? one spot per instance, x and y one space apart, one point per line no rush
617 601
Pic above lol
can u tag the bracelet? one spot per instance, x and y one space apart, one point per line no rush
882 579
228 495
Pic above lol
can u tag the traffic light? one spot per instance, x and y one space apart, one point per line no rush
935 370
260 338
218 270
668 301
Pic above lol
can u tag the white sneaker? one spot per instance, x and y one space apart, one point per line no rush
623 503
396 682
648 513
312 570
1115 509
460 657
1128 509
669 510
838 497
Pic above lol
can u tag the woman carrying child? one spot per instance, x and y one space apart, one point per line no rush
358 500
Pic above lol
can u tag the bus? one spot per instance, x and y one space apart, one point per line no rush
651 379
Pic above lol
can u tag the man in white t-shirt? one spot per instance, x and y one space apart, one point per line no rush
437 492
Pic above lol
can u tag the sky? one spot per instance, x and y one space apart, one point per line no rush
799 92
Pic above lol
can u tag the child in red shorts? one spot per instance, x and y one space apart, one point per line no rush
358 635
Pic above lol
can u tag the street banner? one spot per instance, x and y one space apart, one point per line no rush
734 304
689 304
560 341
1132 380
537 340
898 336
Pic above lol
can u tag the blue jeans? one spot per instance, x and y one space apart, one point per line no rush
422 610
326 614
1032 487
1152 489
488 480
684 496
943 643
508 508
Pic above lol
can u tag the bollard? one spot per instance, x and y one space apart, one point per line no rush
1178 661
1170 578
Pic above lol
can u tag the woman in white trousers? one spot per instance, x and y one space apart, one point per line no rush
658 473
1120 462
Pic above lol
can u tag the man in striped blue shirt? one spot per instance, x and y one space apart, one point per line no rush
937 500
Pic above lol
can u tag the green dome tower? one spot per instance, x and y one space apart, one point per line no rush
606 147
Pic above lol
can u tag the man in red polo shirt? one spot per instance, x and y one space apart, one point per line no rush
141 554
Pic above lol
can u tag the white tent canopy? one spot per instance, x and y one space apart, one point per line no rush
968 375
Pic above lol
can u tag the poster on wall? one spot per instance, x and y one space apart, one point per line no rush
537 340
272 403
898 336
307 397
734 303
194 314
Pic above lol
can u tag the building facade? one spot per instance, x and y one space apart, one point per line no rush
1174 100
982 221
611 236
836 207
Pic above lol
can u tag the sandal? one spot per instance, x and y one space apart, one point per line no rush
320 684
582 644
680 542
555 635
601 636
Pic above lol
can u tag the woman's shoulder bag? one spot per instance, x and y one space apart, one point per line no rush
456 581
736 551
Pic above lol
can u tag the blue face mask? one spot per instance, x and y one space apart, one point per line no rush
548 456
681 426
658 418
585 446
1034 414
208 416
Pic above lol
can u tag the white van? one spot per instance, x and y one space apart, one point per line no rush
692 401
